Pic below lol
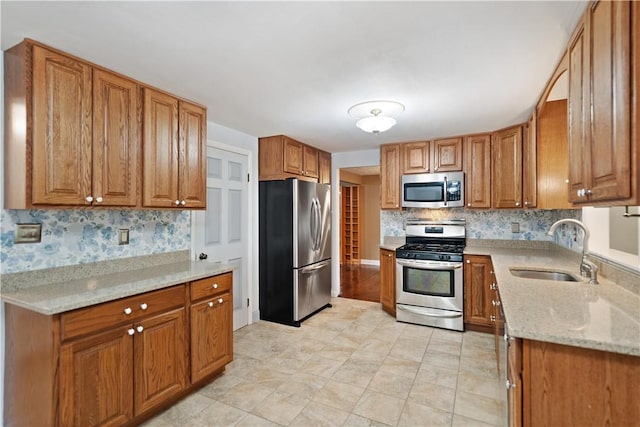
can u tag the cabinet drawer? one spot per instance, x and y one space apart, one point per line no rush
101 316
211 286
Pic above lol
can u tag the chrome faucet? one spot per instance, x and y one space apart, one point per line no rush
586 267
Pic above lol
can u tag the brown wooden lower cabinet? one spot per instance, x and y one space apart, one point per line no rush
388 281
70 369
560 385
478 283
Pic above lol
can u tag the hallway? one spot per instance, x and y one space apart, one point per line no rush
360 281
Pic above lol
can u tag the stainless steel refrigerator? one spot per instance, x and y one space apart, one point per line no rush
295 250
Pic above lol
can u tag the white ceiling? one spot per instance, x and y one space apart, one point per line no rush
294 68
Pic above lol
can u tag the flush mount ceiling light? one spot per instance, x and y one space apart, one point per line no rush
376 116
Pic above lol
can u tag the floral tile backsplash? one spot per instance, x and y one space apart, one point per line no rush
78 236
495 224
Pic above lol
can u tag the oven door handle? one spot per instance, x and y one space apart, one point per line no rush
429 313
422 266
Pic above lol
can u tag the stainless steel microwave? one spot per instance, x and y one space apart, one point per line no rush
433 190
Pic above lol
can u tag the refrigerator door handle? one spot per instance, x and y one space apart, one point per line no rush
314 268
313 225
318 224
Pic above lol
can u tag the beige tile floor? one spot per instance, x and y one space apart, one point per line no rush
350 365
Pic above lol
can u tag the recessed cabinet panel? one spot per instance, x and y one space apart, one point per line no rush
61 129
477 160
506 168
160 169
390 176
116 139
417 157
192 157
447 155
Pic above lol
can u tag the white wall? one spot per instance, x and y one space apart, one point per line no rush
343 160
219 133
597 221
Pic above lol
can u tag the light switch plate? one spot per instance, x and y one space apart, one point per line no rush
123 236
27 233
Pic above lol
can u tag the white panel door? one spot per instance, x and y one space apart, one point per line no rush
221 232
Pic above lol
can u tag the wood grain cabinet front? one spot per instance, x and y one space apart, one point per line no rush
282 157
478 280
390 167
388 281
119 362
174 167
506 168
73 133
603 105
211 325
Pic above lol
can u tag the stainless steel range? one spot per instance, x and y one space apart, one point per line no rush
429 274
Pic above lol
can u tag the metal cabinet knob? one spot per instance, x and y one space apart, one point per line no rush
139 329
210 304
143 306
517 203
98 199
492 318
525 203
495 303
183 202
89 199
396 205
509 384
131 331
177 202
469 204
468 262
215 286
128 310
220 300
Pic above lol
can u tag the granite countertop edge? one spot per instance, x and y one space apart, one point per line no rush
565 313
61 296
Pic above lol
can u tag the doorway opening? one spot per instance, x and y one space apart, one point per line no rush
360 233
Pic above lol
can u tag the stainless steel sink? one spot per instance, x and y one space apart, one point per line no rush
543 274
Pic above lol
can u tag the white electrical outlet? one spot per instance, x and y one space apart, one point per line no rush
123 236
515 227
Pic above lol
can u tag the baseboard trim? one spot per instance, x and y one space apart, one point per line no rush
370 261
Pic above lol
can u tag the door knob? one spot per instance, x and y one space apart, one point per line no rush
203 256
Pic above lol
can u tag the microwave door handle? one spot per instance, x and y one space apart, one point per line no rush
421 266
445 191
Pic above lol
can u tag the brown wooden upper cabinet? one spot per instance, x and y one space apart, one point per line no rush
281 157
79 123
416 157
324 167
440 155
477 167
174 172
506 168
447 154
390 176
603 105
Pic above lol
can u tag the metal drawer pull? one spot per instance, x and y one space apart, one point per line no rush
128 310
143 306
139 329
215 286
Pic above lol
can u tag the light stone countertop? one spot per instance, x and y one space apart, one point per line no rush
601 317
64 295
391 243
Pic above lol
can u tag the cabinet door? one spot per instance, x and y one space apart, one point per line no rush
477 160
160 165
211 335
96 380
506 167
324 162
390 176
310 162
416 157
116 140
160 359
447 155
477 293
529 163
62 134
293 156
609 139
192 156
388 281
578 113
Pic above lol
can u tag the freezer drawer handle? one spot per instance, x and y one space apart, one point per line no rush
309 270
